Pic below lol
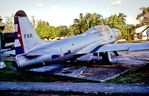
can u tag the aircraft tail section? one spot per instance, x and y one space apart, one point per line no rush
25 35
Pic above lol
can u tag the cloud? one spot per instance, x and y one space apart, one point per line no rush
38 4
116 2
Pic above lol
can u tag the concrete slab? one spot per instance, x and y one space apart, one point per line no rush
121 64
95 73
99 73
132 58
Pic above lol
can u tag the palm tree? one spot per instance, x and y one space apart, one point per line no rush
122 17
84 22
144 16
119 22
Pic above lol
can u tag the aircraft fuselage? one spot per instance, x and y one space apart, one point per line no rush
62 50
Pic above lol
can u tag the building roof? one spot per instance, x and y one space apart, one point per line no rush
140 29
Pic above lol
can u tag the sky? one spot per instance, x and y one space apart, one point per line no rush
63 12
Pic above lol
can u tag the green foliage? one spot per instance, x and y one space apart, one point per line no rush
117 21
7 74
143 17
141 75
62 31
85 22
9 24
80 25
114 21
33 21
130 32
45 31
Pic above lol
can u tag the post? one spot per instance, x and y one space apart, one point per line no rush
2 26
147 33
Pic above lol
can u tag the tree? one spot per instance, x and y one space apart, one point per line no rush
53 32
143 17
9 24
122 17
2 26
1 39
33 21
119 22
93 19
62 31
130 32
84 22
42 29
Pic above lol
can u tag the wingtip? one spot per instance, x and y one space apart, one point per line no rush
20 13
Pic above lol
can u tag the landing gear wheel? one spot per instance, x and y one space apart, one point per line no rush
105 57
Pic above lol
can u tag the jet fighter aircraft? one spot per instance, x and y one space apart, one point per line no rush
98 40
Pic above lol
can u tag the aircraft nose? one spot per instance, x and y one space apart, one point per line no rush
117 33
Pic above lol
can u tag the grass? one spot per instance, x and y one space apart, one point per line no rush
141 76
7 74
12 76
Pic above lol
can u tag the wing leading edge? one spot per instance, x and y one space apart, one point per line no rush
115 47
95 48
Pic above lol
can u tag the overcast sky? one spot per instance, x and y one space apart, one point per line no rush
63 12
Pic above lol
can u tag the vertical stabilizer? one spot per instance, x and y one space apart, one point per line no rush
25 35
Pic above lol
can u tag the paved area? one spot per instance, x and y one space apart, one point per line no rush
94 73
132 58
99 72
75 87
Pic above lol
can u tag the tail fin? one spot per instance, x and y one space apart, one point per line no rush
25 35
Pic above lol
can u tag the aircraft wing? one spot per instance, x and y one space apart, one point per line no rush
114 47
42 52
96 47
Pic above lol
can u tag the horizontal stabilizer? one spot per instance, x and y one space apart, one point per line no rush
50 68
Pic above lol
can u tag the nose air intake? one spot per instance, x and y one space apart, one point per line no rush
117 33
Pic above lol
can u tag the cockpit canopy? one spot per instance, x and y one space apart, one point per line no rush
98 28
